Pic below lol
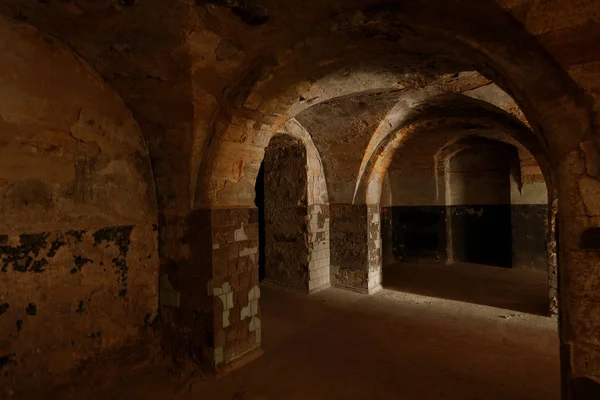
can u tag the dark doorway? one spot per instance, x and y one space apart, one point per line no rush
482 234
480 207
419 232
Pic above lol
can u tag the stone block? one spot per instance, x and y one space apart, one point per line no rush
223 235
219 356
253 307
584 319
252 231
254 324
254 293
582 275
229 298
229 352
239 234
246 251
258 336
221 218
225 318
318 273
245 312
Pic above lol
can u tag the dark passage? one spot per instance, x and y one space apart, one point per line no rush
259 201
480 206
482 234
419 232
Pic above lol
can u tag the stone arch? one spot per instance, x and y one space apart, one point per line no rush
442 164
486 38
450 112
270 92
443 156
441 161
313 237
317 187
445 111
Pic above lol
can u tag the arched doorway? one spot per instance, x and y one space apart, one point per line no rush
293 209
283 216
474 203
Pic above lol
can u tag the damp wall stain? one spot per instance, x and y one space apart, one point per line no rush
67 296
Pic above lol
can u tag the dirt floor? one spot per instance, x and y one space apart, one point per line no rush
342 345
514 289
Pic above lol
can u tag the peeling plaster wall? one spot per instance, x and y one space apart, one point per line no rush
78 241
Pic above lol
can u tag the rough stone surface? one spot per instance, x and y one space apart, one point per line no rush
78 242
207 84
286 213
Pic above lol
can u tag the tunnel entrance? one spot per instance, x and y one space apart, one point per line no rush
479 206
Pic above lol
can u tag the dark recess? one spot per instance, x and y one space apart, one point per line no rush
590 239
259 201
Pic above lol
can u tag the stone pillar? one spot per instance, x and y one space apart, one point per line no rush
355 247
210 305
234 284
579 279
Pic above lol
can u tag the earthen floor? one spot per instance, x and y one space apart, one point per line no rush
514 289
392 345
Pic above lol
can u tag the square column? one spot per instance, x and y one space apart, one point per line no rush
210 305
356 247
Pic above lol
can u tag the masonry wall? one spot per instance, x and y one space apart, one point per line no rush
286 213
78 233
418 215
356 247
530 218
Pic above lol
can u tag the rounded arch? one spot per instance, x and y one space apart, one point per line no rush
443 156
446 112
270 94
317 186
295 207
455 113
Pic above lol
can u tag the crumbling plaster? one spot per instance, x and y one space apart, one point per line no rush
209 87
78 244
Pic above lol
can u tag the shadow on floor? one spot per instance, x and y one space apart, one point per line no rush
523 291
336 345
